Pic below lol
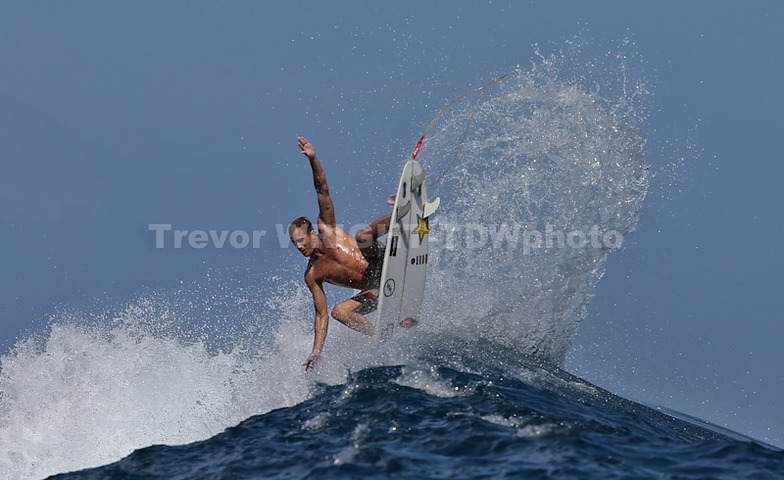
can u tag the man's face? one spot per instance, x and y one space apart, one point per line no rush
306 243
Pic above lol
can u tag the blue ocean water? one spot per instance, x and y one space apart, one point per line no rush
206 382
399 422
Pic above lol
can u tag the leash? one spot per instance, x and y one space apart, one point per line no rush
487 87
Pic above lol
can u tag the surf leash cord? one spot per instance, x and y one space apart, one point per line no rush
487 87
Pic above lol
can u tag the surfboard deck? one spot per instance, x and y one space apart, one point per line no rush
402 287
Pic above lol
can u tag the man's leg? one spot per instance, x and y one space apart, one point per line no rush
347 313
352 312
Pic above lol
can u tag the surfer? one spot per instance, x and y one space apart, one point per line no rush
338 258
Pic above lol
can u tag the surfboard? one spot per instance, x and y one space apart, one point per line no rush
402 287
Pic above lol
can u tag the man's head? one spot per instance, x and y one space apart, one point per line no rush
303 236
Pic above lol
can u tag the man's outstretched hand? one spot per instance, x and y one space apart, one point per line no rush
306 147
312 361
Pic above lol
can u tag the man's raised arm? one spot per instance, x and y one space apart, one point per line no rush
326 209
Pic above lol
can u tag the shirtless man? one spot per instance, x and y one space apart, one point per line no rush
338 258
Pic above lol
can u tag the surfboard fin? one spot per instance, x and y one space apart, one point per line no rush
416 180
402 210
431 207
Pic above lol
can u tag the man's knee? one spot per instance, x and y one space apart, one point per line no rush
340 311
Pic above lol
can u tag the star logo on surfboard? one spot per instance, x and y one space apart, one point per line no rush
423 227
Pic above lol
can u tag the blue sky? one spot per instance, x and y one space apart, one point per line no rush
114 116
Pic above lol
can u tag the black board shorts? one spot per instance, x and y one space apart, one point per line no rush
368 298
368 301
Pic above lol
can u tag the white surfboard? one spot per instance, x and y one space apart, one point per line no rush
402 286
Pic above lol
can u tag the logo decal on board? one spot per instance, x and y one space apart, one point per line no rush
393 246
422 227
389 287
419 260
